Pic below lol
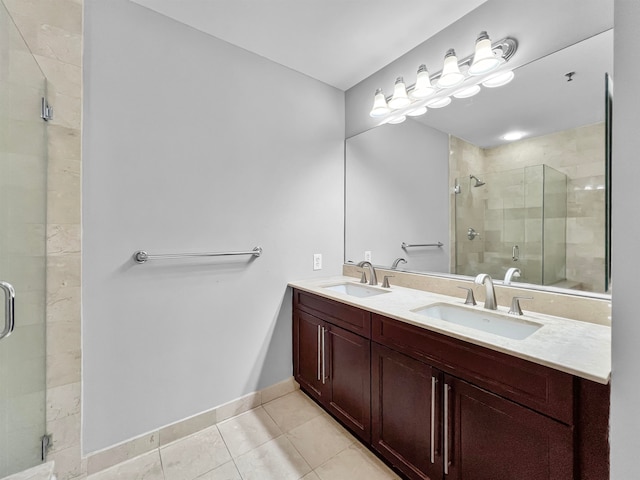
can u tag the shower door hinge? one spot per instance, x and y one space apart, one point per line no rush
45 445
46 112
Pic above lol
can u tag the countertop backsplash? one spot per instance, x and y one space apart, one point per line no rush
592 310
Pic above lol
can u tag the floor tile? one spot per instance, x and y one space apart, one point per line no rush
144 467
228 471
292 410
311 476
275 460
248 430
353 463
195 455
319 439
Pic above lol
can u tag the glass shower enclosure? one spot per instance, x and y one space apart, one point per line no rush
23 200
513 218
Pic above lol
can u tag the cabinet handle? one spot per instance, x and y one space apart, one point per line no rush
446 429
323 357
319 352
433 418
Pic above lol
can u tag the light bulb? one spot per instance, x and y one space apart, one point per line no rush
400 98
380 108
484 60
467 91
451 75
423 87
499 79
416 112
397 119
439 103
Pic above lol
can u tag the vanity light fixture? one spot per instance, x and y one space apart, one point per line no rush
400 98
484 60
499 79
467 91
451 75
423 87
460 79
396 120
439 103
416 112
380 107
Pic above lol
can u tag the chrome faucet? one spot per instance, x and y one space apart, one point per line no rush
490 295
396 262
513 272
373 280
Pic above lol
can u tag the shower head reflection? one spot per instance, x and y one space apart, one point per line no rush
478 183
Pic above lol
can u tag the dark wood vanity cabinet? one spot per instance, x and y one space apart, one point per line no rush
307 351
406 413
436 407
491 438
331 363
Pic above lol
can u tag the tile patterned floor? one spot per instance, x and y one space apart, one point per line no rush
289 438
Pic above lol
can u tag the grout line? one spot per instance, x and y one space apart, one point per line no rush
227 446
161 462
237 469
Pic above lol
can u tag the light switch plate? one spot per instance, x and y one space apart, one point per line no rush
317 261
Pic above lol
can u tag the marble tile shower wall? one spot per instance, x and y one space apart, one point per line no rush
576 153
464 157
52 30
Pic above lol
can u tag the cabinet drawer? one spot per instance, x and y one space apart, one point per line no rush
350 318
538 387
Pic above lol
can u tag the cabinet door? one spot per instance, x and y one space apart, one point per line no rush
349 377
406 413
490 438
307 354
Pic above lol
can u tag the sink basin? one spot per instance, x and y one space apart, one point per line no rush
356 289
481 319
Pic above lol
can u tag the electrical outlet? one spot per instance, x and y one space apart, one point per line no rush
317 261
367 255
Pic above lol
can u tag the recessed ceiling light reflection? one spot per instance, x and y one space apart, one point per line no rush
467 92
511 136
441 102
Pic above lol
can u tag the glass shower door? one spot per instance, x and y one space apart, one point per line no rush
23 196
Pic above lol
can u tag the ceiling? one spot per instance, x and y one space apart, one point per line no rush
339 42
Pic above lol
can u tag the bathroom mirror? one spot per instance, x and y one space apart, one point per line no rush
450 177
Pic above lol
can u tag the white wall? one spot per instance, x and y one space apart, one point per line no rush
625 384
396 180
192 144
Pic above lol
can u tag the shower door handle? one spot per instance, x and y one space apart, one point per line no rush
9 310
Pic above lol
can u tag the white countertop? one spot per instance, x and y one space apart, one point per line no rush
579 348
